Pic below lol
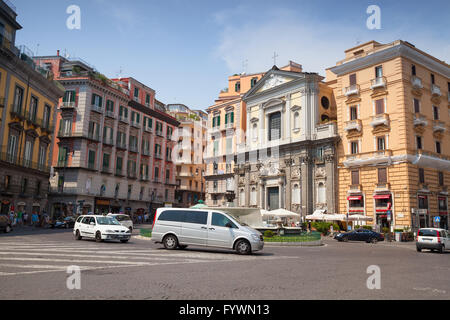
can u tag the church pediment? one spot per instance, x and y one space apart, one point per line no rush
274 80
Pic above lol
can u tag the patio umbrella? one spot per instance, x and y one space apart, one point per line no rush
317 215
199 205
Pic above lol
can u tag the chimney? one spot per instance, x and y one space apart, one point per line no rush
57 53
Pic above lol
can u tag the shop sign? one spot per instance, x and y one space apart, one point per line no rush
102 202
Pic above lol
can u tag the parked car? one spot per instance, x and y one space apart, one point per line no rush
433 239
178 228
124 219
66 223
100 228
360 235
5 223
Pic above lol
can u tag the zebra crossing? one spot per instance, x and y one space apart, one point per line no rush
23 256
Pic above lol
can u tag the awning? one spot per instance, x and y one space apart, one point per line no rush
21 204
354 198
382 196
36 204
423 197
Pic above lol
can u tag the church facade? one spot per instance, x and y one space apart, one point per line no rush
288 160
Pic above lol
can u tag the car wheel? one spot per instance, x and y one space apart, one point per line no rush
77 235
170 242
182 247
243 247
98 236
374 240
418 249
441 249
131 229
345 239
8 229
124 241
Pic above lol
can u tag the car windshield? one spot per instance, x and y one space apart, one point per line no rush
107 221
122 218
427 233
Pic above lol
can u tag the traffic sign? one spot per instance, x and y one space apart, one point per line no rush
437 219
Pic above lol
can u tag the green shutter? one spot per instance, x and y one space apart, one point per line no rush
214 122
226 118
151 122
232 117
218 121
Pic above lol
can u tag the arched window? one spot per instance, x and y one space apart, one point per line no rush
102 190
242 197
237 87
253 197
296 121
321 193
296 194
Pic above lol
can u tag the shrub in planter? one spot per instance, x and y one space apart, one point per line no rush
268 234
367 227
357 226
322 227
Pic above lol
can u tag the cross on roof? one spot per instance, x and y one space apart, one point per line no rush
274 58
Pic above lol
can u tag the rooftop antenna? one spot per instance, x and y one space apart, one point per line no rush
274 58
244 66
120 73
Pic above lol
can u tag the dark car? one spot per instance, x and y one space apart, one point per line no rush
66 223
5 223
360 235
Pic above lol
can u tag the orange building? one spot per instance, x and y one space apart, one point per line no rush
393 115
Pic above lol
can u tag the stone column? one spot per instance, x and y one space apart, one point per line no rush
262 194
307 184
280 191
330 183
288 194
247 169
288 117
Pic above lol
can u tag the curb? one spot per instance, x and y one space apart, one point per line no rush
142 238
295 244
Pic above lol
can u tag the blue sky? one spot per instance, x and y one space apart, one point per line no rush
186 49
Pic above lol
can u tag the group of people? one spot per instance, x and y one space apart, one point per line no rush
36 219
141 218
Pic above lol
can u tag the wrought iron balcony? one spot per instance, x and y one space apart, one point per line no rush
68 105
124 119
110 114
96 108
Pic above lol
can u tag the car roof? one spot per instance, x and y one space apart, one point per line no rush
432 229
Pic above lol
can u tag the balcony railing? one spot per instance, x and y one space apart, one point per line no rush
124 119
131 174
383 186
93 136
158 156
135 124
145 152
420 120
439 126
353 125
110 114
435 90
379 82
108 141
68 105
351 90
121 145
106 170
91 165
133 148
15 111
416 82
119 173
370 154
96 108
148 129
380 119
145 178
159 133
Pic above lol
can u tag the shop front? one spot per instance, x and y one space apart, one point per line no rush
102 206
443 212
383 211
5 207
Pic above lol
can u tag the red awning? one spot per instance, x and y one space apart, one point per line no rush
423 197
381 210
354 198
382 196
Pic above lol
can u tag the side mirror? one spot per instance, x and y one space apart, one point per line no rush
92 223
229 225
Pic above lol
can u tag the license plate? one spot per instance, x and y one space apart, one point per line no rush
427 239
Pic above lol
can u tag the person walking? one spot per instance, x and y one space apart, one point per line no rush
19 218
25 219
12 218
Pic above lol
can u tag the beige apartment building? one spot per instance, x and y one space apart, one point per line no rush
188 154
393 111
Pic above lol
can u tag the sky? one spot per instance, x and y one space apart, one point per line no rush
186 49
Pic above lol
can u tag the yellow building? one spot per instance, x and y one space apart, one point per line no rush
393 115
28 99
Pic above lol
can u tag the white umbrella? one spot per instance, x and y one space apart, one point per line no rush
283 213
359 217
334 217
317 215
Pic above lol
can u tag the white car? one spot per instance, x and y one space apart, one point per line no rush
178 228
100 228
124 219
433 239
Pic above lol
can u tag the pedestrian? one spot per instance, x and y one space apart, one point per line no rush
19 218
34 219
12 218
25 219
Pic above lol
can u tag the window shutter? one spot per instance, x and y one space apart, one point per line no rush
382 177
355 177
226 118
379 106
218 121
232 117
352 79
151 122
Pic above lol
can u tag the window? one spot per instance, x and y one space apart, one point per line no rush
27 153
419 142
106 158
12 148
237 87
197 217
156 173
378 72
321 193
379 106
23 185
69 96
381 143
352 79
421 175
216 121
325 102
147 100
441 178
172 215
438 146
46 119
96 100
435 113
91 159
33 109
229 117
432 78
168 175
119 161
253 82
416 105
355 177
220 220
353 113
275 126
63 156
18 99
382 175
229 145
42 156
136 92
413 70
123 112
354 147
109 105
94 129
296 121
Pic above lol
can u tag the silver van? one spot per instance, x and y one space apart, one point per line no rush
178 228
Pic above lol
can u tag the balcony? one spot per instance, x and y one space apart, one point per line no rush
93 136
355 187
91 166
106 170
368 158
45 126
17 112
379 82
420 120
22 162
229 125
110 114
159 133
435 90
382 187
439 126
145 178
133 148
68 105
97 109
353 125
136 124
31 119
121 145
416 82
108 141
158 156
145 152
124 119
148 129
380 119
351 90
131 175
119 173
324 131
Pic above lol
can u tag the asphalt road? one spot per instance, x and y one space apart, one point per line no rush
33 265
